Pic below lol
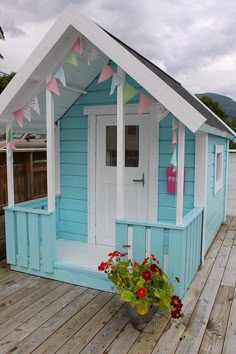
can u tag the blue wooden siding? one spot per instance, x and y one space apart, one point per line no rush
215 202
167 201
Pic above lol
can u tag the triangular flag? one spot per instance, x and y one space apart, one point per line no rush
174 138
12 145
19 117
106 72
83 44
27 113
129 92
9 134
34 104
51 85
93 55
174 124
60 75
144 103
71 58
173 160
76 47
116 81
161 110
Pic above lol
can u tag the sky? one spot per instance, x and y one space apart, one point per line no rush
193 41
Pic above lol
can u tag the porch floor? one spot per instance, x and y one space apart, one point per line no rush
44 316
81 253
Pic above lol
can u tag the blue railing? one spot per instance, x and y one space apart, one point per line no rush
31 235
177 247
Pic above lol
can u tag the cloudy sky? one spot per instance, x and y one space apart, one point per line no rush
193 41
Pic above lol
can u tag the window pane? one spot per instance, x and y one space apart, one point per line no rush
131 146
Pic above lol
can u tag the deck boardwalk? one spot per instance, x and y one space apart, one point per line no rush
44 316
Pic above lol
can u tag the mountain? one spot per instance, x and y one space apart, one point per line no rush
227 104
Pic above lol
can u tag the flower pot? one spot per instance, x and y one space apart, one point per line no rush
137 320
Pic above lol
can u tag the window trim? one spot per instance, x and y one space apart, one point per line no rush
219 150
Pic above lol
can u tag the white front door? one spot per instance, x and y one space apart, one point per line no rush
138 130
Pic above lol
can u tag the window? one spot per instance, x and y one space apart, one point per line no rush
219 149
131 146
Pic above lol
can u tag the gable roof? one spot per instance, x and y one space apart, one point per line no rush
30 79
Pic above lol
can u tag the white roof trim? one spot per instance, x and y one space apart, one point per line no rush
185 112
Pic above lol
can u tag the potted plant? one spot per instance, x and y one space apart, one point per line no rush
144 286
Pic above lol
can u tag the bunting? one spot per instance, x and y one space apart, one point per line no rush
9 139
129 92
76 47
106 73
173 160
60 75
51 85
93 55
116 81
34 104
71 58
144 103
19 117
27 113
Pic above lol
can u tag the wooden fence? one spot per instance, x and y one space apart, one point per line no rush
30 176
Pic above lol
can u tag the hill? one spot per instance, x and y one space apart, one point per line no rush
227 104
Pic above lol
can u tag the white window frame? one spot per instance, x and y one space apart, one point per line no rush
219 150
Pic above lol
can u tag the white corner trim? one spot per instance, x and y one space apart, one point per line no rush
10 177
219 150
226 180
180 174
92 179
57 158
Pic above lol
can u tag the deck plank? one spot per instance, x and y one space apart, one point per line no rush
229 278
230 338
92 327
124 341
9 342
19 284
213 339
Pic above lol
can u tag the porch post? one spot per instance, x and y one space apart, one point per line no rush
10 177
50 149
120 146
180 174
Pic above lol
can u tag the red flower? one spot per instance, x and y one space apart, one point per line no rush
177 279
147 275
176 302
136 264
154 268
126 246
102 266
114 254
141 292
153 258
123 254
145 260
176 313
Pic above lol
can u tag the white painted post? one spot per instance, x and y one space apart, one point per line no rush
120 146
57 158
226 180
10 177
180 174
50 148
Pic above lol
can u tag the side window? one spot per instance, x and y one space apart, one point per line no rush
219 150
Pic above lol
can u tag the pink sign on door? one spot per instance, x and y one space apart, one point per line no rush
171 180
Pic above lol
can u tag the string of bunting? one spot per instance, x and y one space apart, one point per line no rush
173 160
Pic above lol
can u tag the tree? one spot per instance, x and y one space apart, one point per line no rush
5 79
217 109
3 38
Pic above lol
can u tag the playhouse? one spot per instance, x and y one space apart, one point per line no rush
132 157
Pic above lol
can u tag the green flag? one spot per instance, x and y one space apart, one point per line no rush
9 134
71 58
129 92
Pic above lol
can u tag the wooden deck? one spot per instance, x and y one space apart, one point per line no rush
44 316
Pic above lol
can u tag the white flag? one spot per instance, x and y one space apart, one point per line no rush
27 113
34 104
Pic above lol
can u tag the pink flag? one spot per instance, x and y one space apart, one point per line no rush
19 117
144 103
12 145
76 47
51 85
174 124
106 72
174 139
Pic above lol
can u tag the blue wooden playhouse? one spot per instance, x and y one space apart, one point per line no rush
111 160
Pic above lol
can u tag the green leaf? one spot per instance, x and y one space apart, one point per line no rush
127 296
141 282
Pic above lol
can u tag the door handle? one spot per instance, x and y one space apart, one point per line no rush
140 180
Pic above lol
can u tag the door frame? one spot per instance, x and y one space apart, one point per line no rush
153 164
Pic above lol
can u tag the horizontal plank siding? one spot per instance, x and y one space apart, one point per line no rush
167 201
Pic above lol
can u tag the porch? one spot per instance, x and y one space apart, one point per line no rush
33 246
39 315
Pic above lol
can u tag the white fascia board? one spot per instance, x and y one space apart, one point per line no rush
214 131
13 96
185 112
